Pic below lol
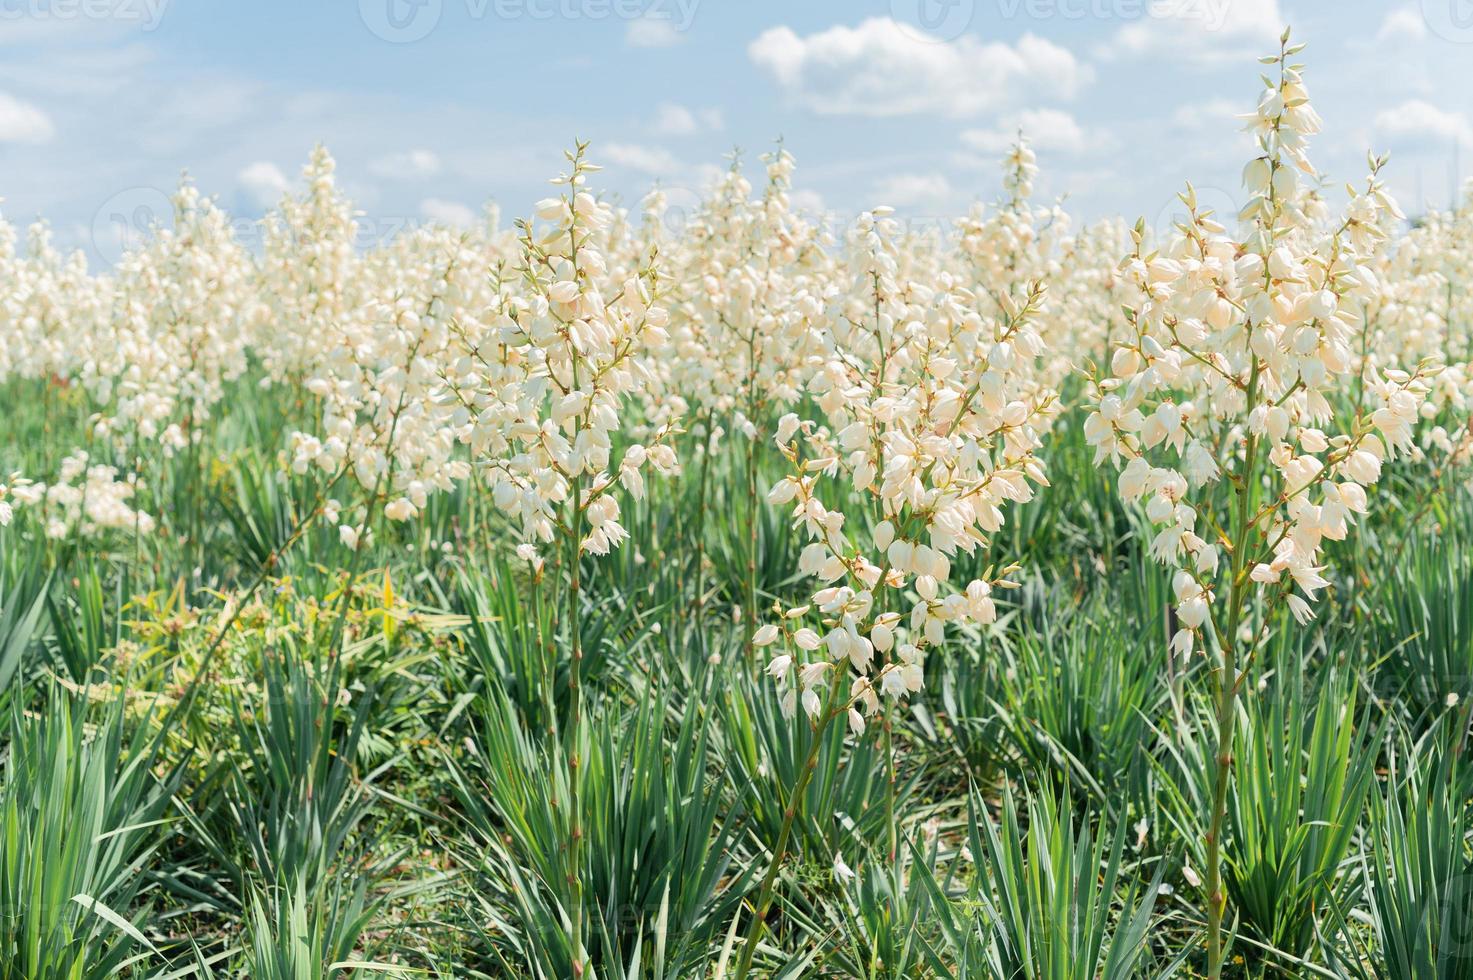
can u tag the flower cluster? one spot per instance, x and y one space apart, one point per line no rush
177 330
87 498
1280 362
1238 401
543 385
928 428
749 278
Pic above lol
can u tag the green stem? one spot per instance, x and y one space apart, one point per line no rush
575 722
785 832
751 592
1227 694
1227 679
894 832
698 604
575 671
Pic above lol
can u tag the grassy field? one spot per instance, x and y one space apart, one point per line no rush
413 704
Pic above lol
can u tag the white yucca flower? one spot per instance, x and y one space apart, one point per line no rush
931 412
1244 360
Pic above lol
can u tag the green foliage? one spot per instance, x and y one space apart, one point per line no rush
1425 606
82 812
1303 767
659 840
238 748
763 748
290 801
1418 872
1047 893
294 932
22 608
1077 699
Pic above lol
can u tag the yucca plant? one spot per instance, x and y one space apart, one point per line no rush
1425 606
1076 701
517 634
508 638
286 800
85 622
1304 763
764 749
296 932
262 512
1052 899
81 814
23 597
1417 873
963 734
1302 778
659 844
872 920
566 763
732 540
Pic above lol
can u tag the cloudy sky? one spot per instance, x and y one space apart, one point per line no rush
433 107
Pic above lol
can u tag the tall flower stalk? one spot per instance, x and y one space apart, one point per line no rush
931 415
1230 408
749 278
546 384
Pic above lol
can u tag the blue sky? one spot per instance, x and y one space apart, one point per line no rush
432 107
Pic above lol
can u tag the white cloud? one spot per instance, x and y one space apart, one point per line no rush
652 32
913 190
652 160
674 119
1416 122
443 212
882 68
1200 30
1046 129
1405 22
411 165
263 181
22 122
